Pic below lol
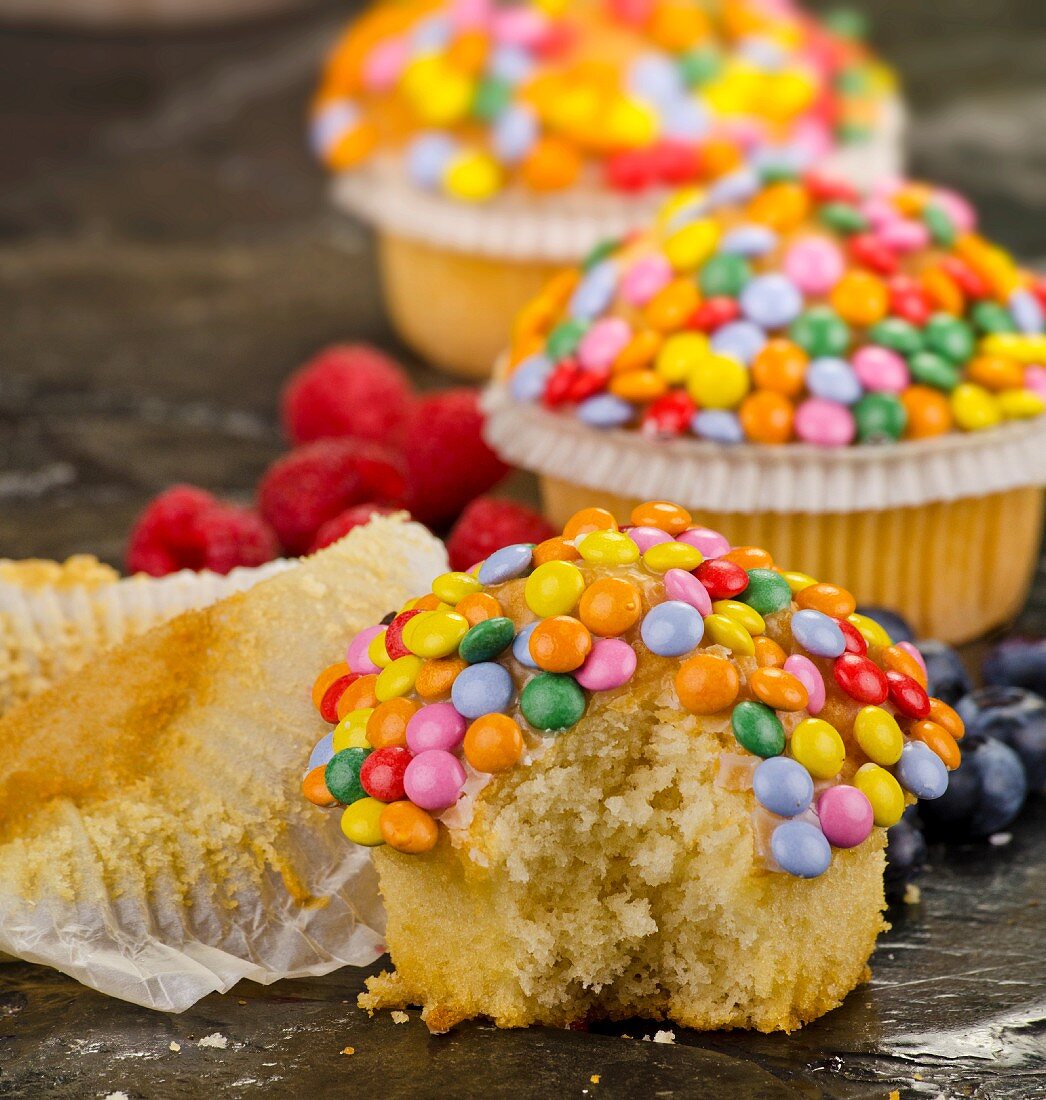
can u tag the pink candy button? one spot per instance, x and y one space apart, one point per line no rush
846 816
711 543
814 264
645 537
603 342
880 369
356 657
611 664
437 726
809 675
645 278
685 587
824 423
433 779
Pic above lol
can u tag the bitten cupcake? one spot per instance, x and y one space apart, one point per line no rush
488 144
627 772
811 367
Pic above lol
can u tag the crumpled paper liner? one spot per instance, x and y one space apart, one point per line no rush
154 843
557 228
753 479
50 631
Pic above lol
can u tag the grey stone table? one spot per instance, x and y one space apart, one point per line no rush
166 259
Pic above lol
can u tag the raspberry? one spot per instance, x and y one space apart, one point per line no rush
346 390
344 522
487 525
187 528
448 464
303 490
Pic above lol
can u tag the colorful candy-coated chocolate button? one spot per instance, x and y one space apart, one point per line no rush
611 605
758 729
718 382
778 689
798 581
741 613
663 515
387 724
408 828
728 632
555 587
801 849
435 633
493 743
393 637
454 587
478 607
560 644
818 634
685 587
433 779
437 726
607 548
723 579
782 786
948 718
382 772
921 771
397 678
329 676
908 695
846 816
879 735
672 629
359 693
521 646
314 787
610 664
672 555
645 537
766 591
356 657
552 702
506 564
855 642
435 677
829 599
711 543
554 549
707 683
883 792
361 822
870 630
377 651
351 731
342 775
486 640
587 520
768 654
818 747
939 740
322 751
809 675
861 678
482 688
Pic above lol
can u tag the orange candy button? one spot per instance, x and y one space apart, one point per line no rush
325 679
477 607
387 726
928 411
937 738
947 718
749 557
860 298
780 366
358 695
588 520
768 654
895 659
610 606
829 599
560 644
707 684
493 743
767 417
662 514
436 677
314 787
555 549
408 828
779 689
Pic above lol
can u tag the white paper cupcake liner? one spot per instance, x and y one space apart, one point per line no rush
557 228
205 864
47 633
752 479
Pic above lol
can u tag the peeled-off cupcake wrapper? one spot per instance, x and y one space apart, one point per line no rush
557 228
793 478
178 883
46 633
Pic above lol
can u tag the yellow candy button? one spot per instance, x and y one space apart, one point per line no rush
870 630
741 613
1025 349
398 678
718 382
672 555
690 246
361 822
818 747
555 587
1020 404
472 177
351 731
377 652
883 792
798 581
606 548
730 633
452 588
679 355
435 633
974 407
879 735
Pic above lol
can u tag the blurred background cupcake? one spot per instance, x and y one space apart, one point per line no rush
854 378
488 144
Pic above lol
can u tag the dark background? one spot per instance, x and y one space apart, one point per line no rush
166 258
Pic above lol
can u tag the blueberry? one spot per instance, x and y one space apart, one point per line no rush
905 855
946 676
1017 662
1014 716
898 627
985 793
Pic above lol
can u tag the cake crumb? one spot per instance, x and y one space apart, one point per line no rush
400 1017
912 894
348 1050
117 1096
594 1079
175 1047
665 1037
1000 840
216 1039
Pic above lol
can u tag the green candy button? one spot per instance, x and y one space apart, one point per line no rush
932 369
950 337
758 729
767 591
552 702
880 418
725 275
342 775
820 331
486 640
896 334
564 339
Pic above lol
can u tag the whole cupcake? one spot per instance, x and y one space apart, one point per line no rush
856 378
488 144
628 772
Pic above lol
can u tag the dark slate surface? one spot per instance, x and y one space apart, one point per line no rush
165 259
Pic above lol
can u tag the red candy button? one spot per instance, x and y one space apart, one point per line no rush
908 695
713 314
871 252
861 679
394 646
855 642
382 773
722 579
669 415
329 702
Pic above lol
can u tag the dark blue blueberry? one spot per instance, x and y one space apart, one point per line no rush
1013 716
895 625
947 677
1017 662
905 855
985 793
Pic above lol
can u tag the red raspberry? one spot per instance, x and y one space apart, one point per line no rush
487 525
448 464
303 490
346 390
344 522
187 528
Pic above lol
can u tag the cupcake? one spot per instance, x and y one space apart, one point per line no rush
489 144
857 378
628 772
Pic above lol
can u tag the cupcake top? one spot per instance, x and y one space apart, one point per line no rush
781 306
475 97
824 718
